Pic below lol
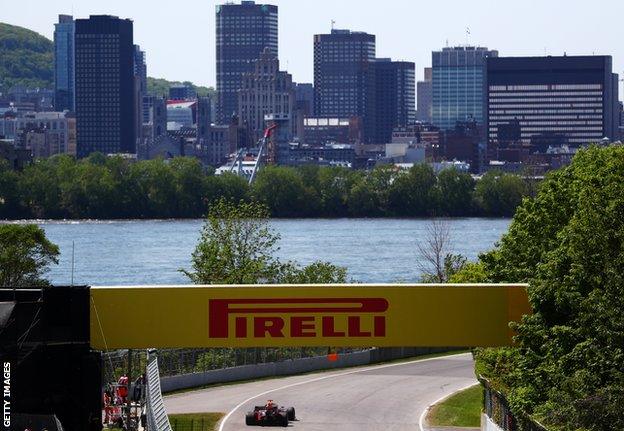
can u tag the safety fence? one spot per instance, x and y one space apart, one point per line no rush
290 367
173 362
496 408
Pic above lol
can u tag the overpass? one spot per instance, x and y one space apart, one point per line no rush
52 336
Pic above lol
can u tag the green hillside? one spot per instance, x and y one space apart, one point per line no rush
26 58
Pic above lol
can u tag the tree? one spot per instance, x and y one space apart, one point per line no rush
9 197
437 263
499 194
25 255
236 246
454 193
282 190
316 273
411 193
567 243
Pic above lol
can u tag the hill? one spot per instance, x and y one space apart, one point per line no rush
26 58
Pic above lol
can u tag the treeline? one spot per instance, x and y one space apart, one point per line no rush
105 188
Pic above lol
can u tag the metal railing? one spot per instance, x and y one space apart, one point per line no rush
496 407
173 362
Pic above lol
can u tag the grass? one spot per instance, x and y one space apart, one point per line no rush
195 421
238 382
462 409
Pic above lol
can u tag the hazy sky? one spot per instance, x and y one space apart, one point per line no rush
179 36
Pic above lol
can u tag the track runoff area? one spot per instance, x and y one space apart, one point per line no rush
343 315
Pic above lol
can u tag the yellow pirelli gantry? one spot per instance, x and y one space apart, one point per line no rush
341 315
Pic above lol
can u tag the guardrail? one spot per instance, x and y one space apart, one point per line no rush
496 408
290 367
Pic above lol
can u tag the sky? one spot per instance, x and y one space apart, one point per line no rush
179 36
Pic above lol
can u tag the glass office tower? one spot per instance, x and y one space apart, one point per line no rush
64 63
458 82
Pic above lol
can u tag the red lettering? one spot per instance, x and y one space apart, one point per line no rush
241 327
379 326
329 327
301 326
268 325
355 328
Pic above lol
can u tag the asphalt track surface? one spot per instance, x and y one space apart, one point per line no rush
382 397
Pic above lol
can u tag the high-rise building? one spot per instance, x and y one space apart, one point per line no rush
458 82
340 72
243 32
266 90
424 96
554 100
64 63
182 92
140 88
390 99
105 88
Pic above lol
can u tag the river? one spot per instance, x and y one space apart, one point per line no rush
153 251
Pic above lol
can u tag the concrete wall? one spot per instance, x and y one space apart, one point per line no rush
289 367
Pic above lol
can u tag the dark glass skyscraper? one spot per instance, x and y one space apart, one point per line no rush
340 73
64 63
243 32
458 82
105 87
390 98
552 100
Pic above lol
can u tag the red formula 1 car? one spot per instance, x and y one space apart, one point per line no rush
270 414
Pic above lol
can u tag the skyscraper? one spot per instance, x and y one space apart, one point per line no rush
340 72
390 99
64 63
140 88
266 90
424 97
105 85
458 82
552 100
243 32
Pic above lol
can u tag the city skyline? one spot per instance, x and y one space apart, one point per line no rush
405 30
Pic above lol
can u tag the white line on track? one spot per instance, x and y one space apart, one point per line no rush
377 367
421 421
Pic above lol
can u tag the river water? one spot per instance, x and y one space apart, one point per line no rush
153 251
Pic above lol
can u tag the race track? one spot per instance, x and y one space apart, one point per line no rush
382 397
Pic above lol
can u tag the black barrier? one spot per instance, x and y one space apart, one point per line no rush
44 344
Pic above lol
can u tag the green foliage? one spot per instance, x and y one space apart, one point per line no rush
283 191
113 187
451 265
470 272
26 58
25 255
568 244
160 87
236 246
412 194
316 273
499 194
